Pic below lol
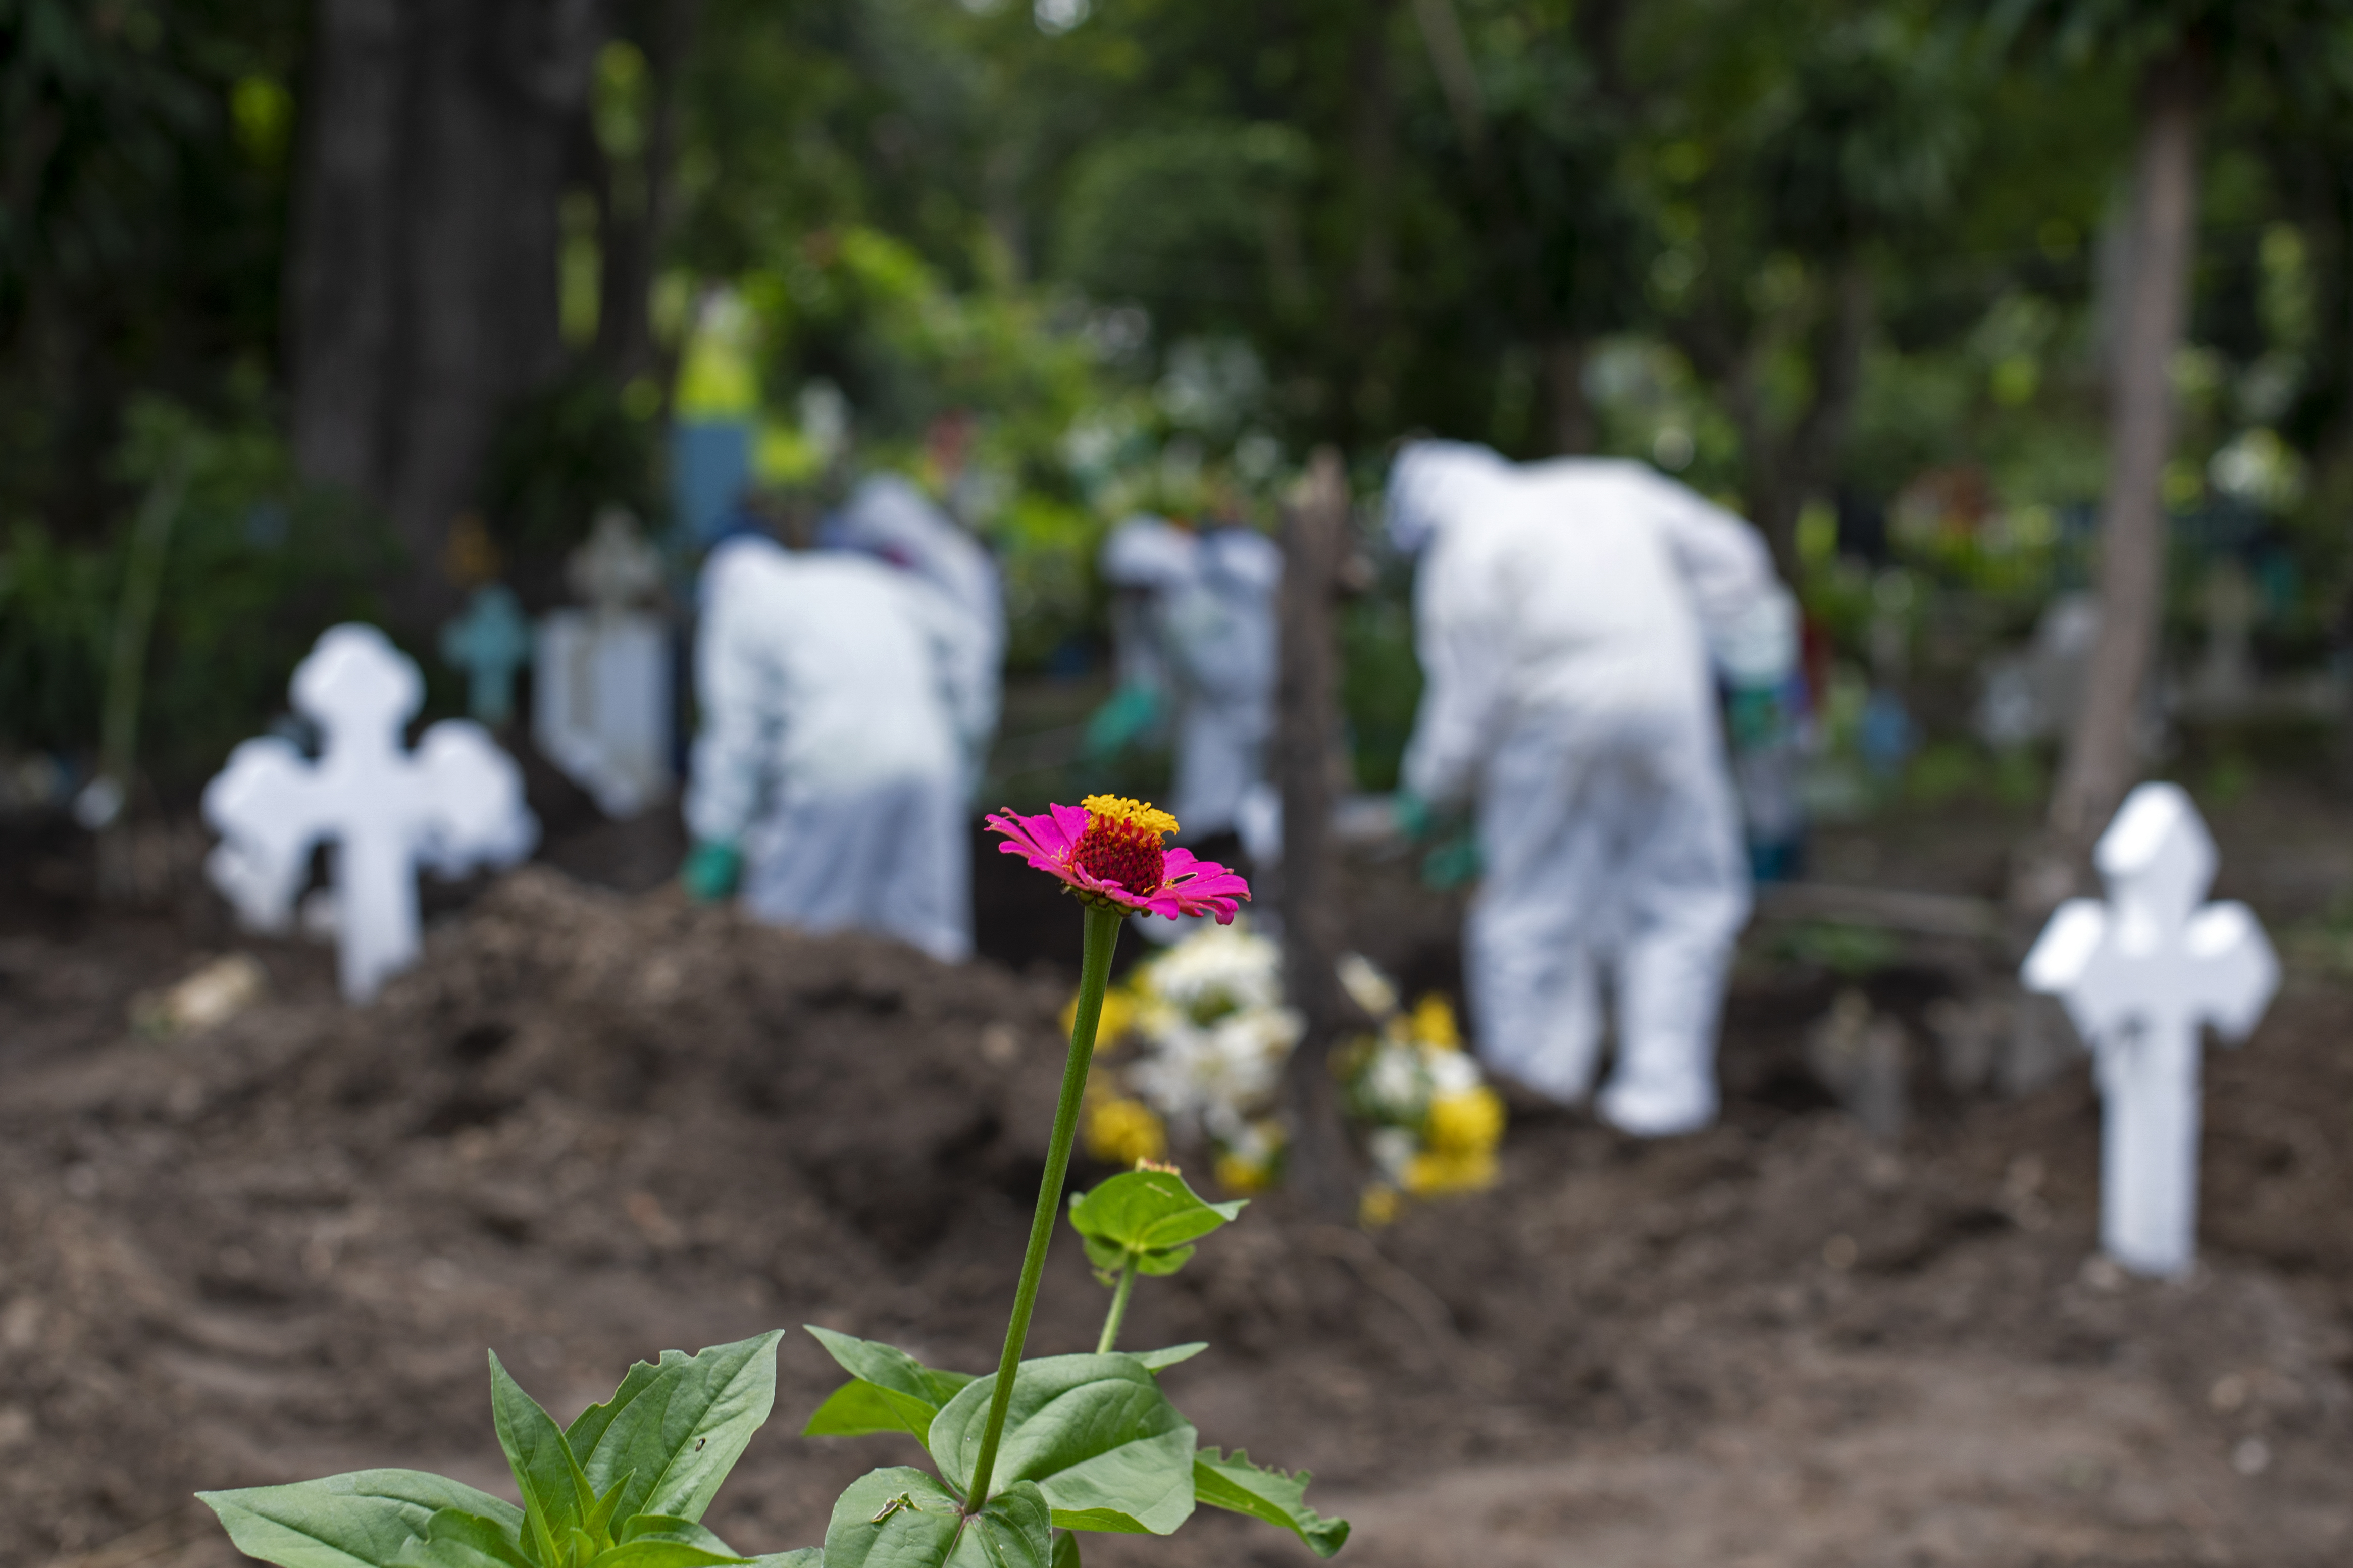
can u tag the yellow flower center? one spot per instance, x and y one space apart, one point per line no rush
1142 813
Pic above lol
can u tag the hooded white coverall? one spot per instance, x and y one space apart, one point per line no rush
889 518
1563 613
837 709
1212 613
1143 559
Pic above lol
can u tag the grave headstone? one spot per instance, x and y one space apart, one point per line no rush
601 698
454 802
490 642
2140 975
2033 694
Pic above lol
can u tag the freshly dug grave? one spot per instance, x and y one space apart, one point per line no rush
592 1126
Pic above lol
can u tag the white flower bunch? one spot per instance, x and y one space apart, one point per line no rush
1216 971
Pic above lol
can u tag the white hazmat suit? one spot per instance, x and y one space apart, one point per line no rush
888 518
1564 614
838 711
1210 608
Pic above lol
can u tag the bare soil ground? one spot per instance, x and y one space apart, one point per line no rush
594 1124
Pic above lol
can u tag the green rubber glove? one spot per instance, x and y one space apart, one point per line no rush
1454 864
1126 718
710 872
1414 817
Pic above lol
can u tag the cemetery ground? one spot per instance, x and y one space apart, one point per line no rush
276 1247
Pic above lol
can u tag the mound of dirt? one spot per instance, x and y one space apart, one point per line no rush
592 1126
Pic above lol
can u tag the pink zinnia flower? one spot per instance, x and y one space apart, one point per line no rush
1109 852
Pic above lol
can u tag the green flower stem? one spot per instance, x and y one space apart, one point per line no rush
1118 1309
1094 976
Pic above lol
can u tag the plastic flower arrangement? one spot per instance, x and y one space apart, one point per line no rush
1210 1035
1025 1458
1434 1124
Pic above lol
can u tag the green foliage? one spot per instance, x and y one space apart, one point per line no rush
1278 1498
256 564
142 218
1147 1221
902 1518
889 1391
559 455
1094 1431
623 1486
367 1519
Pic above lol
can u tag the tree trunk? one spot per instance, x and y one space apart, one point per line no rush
2099 762
340 297
1568 410
634 231
1314 530
424 293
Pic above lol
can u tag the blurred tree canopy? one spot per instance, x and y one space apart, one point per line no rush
1853 265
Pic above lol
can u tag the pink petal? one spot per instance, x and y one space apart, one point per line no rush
1070 821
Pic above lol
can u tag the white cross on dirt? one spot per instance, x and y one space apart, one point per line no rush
2140 975
454 802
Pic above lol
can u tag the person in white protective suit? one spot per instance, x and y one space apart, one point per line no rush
1142 560
1565 613
1206 606
888 517
839 705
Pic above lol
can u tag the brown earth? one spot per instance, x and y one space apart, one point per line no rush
594 1125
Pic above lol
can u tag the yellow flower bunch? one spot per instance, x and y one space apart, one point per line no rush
1238 1174
1119 1011
1433 1173
1122 1132
1470 1121
1433 1024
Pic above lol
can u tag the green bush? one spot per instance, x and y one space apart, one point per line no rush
256 566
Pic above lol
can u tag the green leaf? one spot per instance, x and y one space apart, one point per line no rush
890 1391
801 1557
459 1539
1162 1360
1094 1431
600 1517
888 1366
1271 1494
362 1520
658 1541
1146 1216
673 1429
859 1408
904 1518
544 1469
1066 1550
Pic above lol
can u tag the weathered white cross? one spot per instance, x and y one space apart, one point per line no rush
454 801
615 568
601 705
490 642
2140 975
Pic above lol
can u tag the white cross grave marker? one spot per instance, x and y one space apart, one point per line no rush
454 801
601 710
2140 975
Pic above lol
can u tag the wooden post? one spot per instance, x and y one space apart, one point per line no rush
1314 536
